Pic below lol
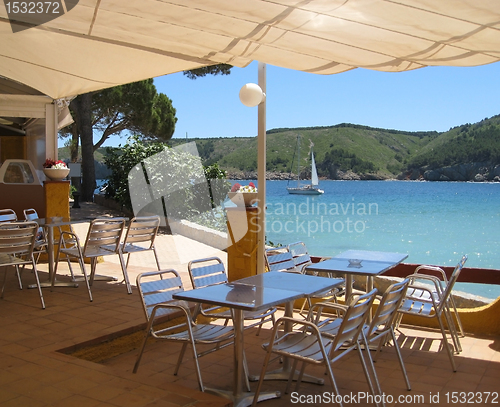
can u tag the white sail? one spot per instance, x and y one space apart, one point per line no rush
306 189
314 174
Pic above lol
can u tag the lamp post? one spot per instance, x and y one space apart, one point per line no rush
255 95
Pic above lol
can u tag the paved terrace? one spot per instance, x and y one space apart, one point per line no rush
33 373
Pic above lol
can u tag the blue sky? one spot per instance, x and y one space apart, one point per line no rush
432 98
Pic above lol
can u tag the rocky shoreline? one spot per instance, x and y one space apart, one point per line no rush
476 172
281 176
472 172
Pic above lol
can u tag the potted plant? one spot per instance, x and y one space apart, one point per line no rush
56 170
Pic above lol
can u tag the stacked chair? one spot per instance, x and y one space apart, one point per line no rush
17 243
7 215
295 259
302 259
436 302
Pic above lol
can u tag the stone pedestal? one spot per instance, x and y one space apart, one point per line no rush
57 202
56 198
242 242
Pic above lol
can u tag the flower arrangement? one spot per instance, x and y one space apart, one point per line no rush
245 195
245 188
58 164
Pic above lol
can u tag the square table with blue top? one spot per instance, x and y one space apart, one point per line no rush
358 263
256 293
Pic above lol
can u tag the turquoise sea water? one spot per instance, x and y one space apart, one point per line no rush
435 223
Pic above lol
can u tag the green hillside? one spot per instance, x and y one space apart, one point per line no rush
344 147
366 151
469 143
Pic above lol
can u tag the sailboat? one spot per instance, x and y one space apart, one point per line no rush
307 189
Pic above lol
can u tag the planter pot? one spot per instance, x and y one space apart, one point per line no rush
243 198
56 174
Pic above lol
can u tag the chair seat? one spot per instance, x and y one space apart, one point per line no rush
421 308
11 260
330 327
423 295
133 248
205 333
299 345
91 252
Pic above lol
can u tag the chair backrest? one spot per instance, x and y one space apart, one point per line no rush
158 287
387 310
205 272
104 232
30 214
142 229
278 260
300 255
7 215
354 320
453 279
18 238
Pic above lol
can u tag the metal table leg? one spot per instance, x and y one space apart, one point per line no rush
239 397
50 249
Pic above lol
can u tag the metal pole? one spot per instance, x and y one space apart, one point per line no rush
261 172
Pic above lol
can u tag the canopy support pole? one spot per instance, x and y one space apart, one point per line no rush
261 172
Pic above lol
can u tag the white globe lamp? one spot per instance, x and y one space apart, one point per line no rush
251 95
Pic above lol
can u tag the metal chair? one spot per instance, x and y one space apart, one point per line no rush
7 215
383 323
141 229
17 241
423 296
309 345
302 259
41 244
156 289
281 259
435 303
103 239
210 271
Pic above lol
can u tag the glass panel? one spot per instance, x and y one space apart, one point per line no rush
18 173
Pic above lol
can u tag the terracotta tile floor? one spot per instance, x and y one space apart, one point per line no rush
33 373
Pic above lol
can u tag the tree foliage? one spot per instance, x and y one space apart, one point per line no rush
135 107
345 161
221 69
469 143
182 202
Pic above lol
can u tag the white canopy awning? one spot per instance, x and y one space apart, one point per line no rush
103 43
